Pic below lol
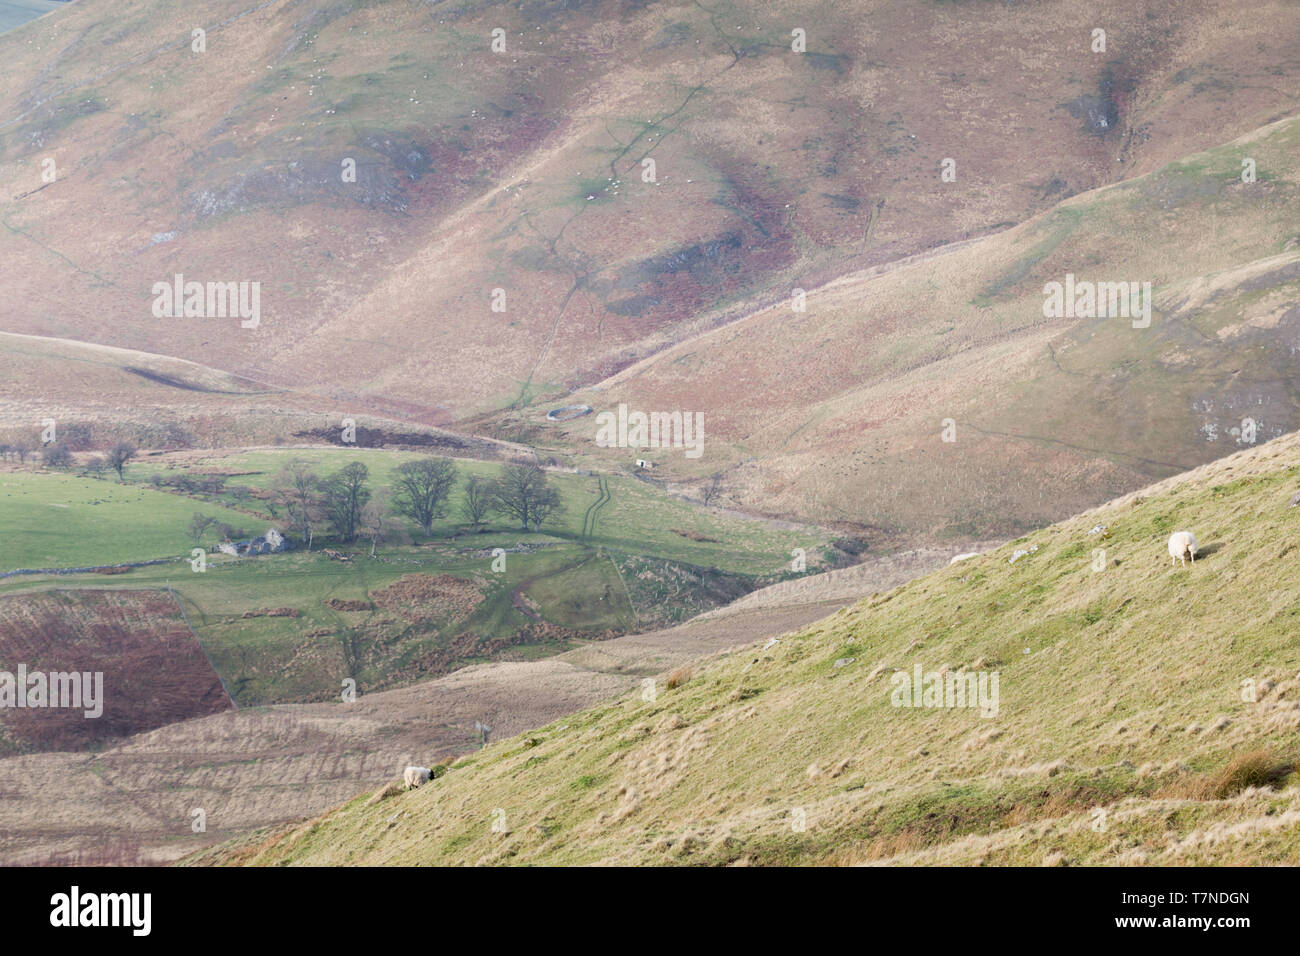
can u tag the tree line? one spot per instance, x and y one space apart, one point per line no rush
343 503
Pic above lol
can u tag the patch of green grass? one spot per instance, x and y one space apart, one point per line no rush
56 520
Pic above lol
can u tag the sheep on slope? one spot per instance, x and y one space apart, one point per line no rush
1182 545
416 776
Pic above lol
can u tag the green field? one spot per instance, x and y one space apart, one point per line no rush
52 520
557 587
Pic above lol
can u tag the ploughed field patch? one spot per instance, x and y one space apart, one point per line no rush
154 672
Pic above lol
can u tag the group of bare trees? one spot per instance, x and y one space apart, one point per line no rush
16 447
421 491
57 455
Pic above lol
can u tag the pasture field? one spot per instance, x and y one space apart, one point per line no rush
54 520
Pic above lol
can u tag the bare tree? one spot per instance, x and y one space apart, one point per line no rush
120 454
345 494
422 488
199 526
350 639
546 503
22 450
478 501
57 456
523 493
376 524
297 489
229 532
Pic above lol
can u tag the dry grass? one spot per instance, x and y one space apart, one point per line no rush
392 790
679 677
1259 768
961 335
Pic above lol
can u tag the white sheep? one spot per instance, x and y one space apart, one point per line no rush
416 776
1182 545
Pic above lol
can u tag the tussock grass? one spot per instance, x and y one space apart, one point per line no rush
1259 768
679 677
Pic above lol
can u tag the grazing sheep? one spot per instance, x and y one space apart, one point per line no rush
415 776
1182 545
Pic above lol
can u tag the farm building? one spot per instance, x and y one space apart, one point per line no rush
270 543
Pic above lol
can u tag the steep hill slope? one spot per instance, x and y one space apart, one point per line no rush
839 413
223 160
1127 698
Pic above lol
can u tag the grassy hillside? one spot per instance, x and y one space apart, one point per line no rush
838 414
1145 714
639 517
102 521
